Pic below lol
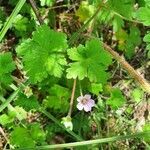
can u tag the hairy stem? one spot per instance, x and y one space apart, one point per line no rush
38 16
72 97
133 73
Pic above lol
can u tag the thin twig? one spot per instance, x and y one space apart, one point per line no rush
124 18
72 97
4 135
34 7
77 34
143 82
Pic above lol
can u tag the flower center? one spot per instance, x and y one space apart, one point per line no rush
84 101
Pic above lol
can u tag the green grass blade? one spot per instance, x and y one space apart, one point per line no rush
91 142
11 97
11 18
50 116
76 35
98 141
8 101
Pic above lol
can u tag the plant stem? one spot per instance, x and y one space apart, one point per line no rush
38 16
70 42
11 18
75 36
143 82
124 18
80 87
72 97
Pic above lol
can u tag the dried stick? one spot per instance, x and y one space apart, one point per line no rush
3 133
72 97
34 7
143 82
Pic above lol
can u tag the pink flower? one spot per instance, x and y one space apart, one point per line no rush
85 102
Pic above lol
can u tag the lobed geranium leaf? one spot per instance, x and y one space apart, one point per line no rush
37 132
90 61
7 65
85 11
116 100
123 7
43 54
58 98
147 40
20 137
28 104
143 15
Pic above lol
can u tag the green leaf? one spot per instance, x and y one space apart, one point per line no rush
5 119
85 11
143 15
22 26
58 98
133 40
81 124
118 23
13 113
147 128
137 95
123 7
2 16
27 103
105 15
147 3
95 88
6 67
37 132
20 113
128 42
47 2
90 61
20 23
147 40
116 100
43 54
20 137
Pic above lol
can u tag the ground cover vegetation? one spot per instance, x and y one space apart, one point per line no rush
75 74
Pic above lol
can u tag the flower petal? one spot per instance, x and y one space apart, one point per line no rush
79 98
80 106
91 102
87 96
87 108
